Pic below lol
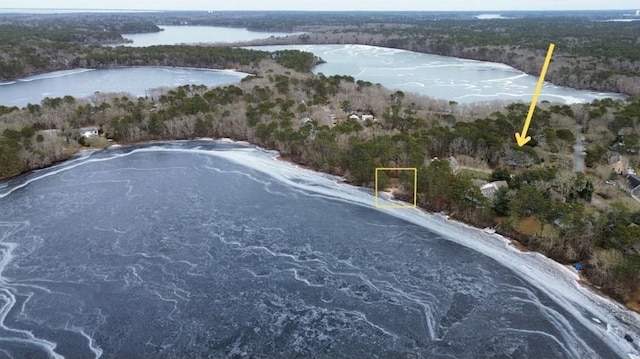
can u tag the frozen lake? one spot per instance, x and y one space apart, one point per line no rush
442 77
174 35
80 83
195 249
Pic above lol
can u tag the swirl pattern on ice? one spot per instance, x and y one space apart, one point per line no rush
215 248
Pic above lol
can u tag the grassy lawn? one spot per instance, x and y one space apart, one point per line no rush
475 174
613 195
529 226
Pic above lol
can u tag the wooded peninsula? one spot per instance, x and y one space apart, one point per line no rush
348 127
592 53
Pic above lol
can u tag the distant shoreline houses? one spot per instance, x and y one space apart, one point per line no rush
356 115
89 132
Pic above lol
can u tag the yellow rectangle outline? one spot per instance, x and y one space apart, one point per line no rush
415 187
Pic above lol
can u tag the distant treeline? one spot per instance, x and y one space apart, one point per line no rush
590 53
18 29
602 56
67 56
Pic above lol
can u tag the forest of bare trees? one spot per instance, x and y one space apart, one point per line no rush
581 72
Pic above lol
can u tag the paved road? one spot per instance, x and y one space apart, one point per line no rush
578 155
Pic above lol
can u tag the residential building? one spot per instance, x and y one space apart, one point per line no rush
489 190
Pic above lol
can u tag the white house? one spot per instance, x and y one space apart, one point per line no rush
89 132
490 189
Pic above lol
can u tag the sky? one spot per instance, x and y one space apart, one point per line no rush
338 5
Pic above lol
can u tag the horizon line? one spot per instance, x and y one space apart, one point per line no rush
301 10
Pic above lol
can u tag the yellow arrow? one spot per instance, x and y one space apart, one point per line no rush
523 139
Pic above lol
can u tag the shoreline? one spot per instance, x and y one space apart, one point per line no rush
255 44
602 311
511 242
598 305
33 76
516 243
518 246
5 81
276 42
